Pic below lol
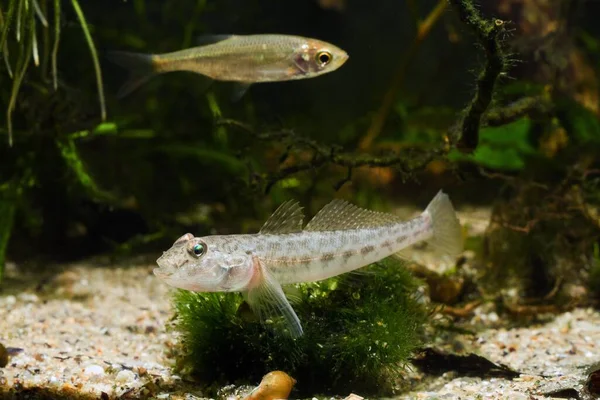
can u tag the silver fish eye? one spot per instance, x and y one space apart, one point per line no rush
324 58
198 249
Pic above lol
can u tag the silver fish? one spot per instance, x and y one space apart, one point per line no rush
339 239
236 58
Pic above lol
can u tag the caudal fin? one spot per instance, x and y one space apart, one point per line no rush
447 233
140 68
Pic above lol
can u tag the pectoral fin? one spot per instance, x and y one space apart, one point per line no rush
238 90
266 298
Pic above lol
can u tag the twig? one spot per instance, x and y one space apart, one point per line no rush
331 155
423 29
460 312
487 33
520 108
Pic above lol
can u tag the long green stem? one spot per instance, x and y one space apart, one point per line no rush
19 13
39 13
34 50
22 64
45 43
4 49
56 42
90 42
9 16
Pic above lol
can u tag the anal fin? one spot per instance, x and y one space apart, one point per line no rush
267 299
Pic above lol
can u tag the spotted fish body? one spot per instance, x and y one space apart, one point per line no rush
314 256
339 239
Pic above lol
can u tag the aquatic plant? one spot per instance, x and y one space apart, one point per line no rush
21 41
21 18
360 329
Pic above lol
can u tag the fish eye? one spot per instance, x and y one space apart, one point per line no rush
324 58
198 249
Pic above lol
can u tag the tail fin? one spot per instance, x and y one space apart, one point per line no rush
447 232
140 68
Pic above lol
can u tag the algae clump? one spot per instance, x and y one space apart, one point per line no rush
359 330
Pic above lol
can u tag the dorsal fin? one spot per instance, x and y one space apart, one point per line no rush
286 219
341 215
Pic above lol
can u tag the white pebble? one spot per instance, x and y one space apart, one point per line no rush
93 370
10 300
28 298
125 376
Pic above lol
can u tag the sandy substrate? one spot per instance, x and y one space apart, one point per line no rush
102 331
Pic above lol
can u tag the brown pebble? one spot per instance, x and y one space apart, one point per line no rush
274 385
3 356
593 382
150 329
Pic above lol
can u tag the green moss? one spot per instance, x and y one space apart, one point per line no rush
359 332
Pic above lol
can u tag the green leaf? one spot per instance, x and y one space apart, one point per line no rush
68 150
105 128
94 54
581 123
206 155
503 147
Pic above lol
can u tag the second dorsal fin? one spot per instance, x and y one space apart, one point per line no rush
341 215
287 218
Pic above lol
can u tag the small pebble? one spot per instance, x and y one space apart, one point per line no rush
125 376
28 298
93 370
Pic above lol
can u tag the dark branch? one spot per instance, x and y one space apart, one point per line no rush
488 35
323 155
526 106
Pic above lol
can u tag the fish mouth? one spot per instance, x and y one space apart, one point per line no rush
165 269
161 273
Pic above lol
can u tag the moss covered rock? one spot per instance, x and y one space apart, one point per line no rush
360 329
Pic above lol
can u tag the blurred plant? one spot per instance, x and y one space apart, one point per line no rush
20 35
544 221
21 17
359 332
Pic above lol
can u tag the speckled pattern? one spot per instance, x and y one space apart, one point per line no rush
91 331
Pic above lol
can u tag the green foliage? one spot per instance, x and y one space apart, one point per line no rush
582 124
359 331
503 147
74 162
94 54
21 18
